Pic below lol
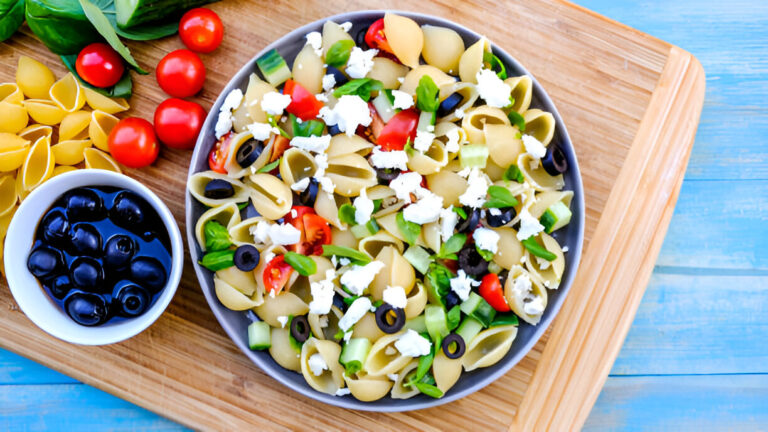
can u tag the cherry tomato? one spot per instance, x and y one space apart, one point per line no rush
400 129
181 73
133 143
201 30
217 158
492 291
375 37
178 122
276 274
279 146
99 65
315 231
304 104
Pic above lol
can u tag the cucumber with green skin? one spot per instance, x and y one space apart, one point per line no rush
131 13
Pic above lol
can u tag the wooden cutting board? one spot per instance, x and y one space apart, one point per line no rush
631 103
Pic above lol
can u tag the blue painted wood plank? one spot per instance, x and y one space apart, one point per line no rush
15 369
682 403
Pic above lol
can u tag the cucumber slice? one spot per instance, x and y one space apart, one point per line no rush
417 324
354 353
384 107
437 322
131 13
479 309
468 329
368 229
418 257
426 119
273 67
555 217
259 335
432 295
473 156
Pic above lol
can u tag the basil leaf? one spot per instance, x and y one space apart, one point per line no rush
338 53
516 119
536 249
11 17
219 260
302 264
269 167
307 128
452 246
349 300
486 254
507 318
495 64
104 27
425 362
354 255
377 205
500 197
440 278
409 230
146 32
123 88
216 236
362 87
460 211
453 317
429 390
347 214
513 173
427 95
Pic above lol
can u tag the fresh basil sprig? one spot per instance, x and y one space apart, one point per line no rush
513 173
452 246
500 197
362 87
219 260
354 255
495 64
216 236
347 214
408 229
338 53
516 119
536 249
427 95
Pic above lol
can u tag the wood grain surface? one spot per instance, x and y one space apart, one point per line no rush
616 88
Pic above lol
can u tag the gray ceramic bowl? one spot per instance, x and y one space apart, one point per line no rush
235 323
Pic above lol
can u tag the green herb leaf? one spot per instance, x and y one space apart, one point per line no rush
440 278
377 205
409 230
145 32
453 317
302 264
513 173
452 246
11 17
362 87
427 95
269 167
347 214
495 64
377 303
425 362
242 205
487 255
538 250
339 334
219 260
216 236
104 27
354 255
507 318
122 89
500 197
272 120
349 300
408 148
516 119
307 128
338 53
460 211
373 226
429 390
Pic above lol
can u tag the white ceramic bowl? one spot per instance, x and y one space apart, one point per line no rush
32 298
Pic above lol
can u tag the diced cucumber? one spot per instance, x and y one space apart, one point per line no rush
479 309
468 329
506 318
273 67
433 296
384 107
473 155
417 324
437 322
368 229
418 257
426 119
134 12
354 353
259 335
555 217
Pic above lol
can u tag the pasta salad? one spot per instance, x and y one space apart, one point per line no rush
385 208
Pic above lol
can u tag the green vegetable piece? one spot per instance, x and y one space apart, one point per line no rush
349 300
347 214
506 318
429 390
11 17
486 254
437 322
354 255
460 211
438 283
425 362
259 335
384 106
362 231
338 53
479 309
272 120
146 32
427 119
538 250
427 95
499 197
453 317
306 266
61 25
104 27
409 230
450 248
417 324
513 173
555 217
468 329
133 13
269 167
362 87
219 260
216 236
123 88
307 128
516 119
274 68
473 155
418 257
496 64
354 353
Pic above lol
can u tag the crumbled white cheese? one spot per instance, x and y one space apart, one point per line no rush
529 225
317 364
459 113
301 185
405 184
342 392
543 264
395 296
390 351
349 112
346 26
348 336
284 234
494 211
344 261
360 62
322 294
261 131
476 191
363 208
452 146
389 159
224 121
283 320
274 103
448 221
491 88
403 100
487 239
393 377
522 259
427 209
522 287
315 40
565 249
322 97
462 284
329 81
315 144
356 310
430 128
321 160
358 278
534 307
294 213
401 79
465 172
412 344
423 141
534 147
261 231
326 184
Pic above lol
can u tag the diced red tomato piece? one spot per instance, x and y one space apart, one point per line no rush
217 158
399 130
492 291
375 37
276 274
304 104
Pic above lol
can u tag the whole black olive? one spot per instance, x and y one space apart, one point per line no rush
340 78
87 274
504 217
86 308
131 300
308 196
60 286
45 262
386 175
148 272
300 328
246 258
84 205
472 262
55 228
554 161
454 346
451 299
449 104
333 130
248 152
118 251
470 223
128 210
86 240
218 189
390 319
360 38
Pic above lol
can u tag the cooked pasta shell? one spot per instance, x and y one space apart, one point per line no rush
333 33
509 250
270 197
228 215
522 92
448 185
397 271
99 102
12 159
10 92
469 95
539 124
538 177
550 273
343 238
412 78
230 297
101 125
5 221
253 95
70 152
325 327
443 48
238 279
238 140
545 199
367 388
430 161
283 304
20 192
296 164
504 143
34 78
446 371
343 144
282 350
493 171
61 169
34 132
74 126
330 380
44 111
350 173
430 235
404 37
475 120
488 347
38 166
67 93
9 141
242 233
241 118
384 358
13 117
327 205
199 181
366 327
308 70
97 159
399 389
373 245
416 302
388 72
472 60
517 300
8 197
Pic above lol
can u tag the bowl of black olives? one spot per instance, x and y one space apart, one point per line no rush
93 257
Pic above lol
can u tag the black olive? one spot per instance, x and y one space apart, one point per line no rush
554 161
503 275
218 189
472 262
60 286
87 274
333 130
340 78
386 175
451 299
300 328
458 349
84 205
506 216
360 38
118 251
131 300
246 258
470 223
390 319
308 196
449 104
128 210
86 240
55 228
45 262
148 272
86 308
248 152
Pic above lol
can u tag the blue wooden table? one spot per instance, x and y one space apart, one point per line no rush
696 357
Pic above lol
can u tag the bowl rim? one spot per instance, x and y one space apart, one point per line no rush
18 276
501 368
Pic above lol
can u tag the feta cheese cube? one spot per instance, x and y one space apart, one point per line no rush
405 184
492 89
260 131
389 159
356 310
360 62
423 141
448 221
412 344
301 185
529 225
315 144
363 208
395 296
534 147
452 146
224 121
403 100
317 364
427 209
358 278
329 81
274 103
476 191
487 239
315 40
284 234
349 112
462 284
322 294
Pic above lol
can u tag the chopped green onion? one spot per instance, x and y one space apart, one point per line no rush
302 264
468 329
409 230
516 119
269 167
536 249
347 214
355 256
495 63
437 322
460 211
219 260
216 236
513 173
353 354
500 197
338 53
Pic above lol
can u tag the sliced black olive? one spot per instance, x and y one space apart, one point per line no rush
470 223
218 189
55 228
300 328
554 161
333 130
390 319
246 258
506 216
472 262
454 346
45 262
451 299
86 308
449 104
119 251
131 300
87 274
340 78
386 175
60 286
248 152
148 272
84 205
360 38
308 196
86 240
128 210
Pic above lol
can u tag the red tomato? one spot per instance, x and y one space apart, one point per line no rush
201 30
181 73
178 122
375 37
315 231
276 274
400 129
99 65
133 143
492 291
297 221
279 147
304 104
217 158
